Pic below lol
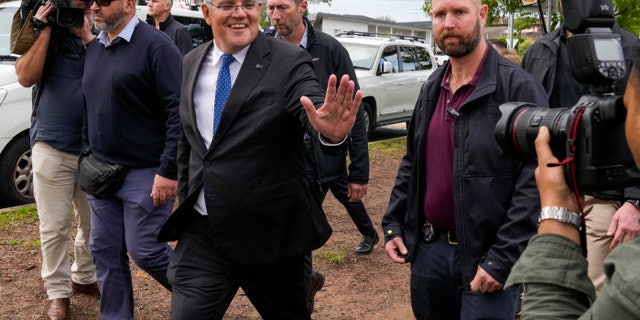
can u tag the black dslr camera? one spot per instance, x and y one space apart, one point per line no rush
67 13
590 135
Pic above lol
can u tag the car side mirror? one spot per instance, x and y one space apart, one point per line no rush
385 67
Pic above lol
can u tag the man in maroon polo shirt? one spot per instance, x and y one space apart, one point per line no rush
458 212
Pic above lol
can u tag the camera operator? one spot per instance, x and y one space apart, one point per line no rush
609 219
55 63
563 290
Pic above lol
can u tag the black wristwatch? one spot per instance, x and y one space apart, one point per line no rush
635 203
39 25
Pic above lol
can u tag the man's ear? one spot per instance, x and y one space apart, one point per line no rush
129 6
205 13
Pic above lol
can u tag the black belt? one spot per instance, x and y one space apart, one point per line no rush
430 233
448 235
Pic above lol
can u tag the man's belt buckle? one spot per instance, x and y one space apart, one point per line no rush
428 232
452 242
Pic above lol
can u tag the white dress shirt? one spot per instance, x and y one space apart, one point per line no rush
204 97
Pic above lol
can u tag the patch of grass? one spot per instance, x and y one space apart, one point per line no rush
389 148
27 214
35 243
10 242
333 256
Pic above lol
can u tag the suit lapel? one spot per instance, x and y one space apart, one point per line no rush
190 81
253 69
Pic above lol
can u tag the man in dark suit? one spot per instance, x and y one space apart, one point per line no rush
247 216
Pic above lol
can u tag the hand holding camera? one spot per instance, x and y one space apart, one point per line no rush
40 17
63 13
589 137
552 186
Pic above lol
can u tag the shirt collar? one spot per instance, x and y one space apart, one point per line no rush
125 34
238 56
305 37
476 76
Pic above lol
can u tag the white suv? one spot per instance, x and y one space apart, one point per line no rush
15 112
16 185
390 72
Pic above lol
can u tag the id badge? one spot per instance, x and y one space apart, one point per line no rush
428 231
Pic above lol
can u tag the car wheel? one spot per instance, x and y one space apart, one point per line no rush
369 119
16 178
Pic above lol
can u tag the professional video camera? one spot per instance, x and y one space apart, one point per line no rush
67 13
590 135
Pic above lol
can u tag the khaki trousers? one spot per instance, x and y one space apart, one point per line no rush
598 216
56 194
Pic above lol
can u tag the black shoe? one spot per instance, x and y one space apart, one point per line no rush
88 289
367 244
317 281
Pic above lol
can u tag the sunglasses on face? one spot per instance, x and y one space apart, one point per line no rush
102 3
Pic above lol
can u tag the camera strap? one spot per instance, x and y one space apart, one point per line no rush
569 167
572 135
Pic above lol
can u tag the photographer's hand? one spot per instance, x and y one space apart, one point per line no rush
553 189
43 12
84 32
624 225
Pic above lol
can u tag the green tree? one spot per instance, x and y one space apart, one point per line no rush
627 12
497 8
628 15
524 22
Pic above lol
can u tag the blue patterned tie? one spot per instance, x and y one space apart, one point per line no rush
223 87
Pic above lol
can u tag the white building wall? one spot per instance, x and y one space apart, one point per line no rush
333 27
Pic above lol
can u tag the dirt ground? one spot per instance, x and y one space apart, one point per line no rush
362 287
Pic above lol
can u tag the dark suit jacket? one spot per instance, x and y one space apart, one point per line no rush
259 204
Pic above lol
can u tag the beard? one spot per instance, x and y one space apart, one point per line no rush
288 29
112 21
465 45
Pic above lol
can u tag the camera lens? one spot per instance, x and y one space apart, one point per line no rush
517 129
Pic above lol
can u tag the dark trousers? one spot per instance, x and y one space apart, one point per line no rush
204 282
437 291
340 190
356 210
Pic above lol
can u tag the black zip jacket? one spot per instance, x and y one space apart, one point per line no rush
330 57
496 201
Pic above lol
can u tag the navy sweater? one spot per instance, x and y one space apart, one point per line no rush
132 94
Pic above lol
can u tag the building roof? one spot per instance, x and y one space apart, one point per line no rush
425 25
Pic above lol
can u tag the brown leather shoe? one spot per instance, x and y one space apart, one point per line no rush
88 289
58 309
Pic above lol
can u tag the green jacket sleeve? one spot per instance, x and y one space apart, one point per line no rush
554 273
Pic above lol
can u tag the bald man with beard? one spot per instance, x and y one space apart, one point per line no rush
458 212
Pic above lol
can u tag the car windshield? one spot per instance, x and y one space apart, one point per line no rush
6 15
362 55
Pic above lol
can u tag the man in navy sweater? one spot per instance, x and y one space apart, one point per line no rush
131 90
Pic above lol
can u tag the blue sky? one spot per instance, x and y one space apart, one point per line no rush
398 10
